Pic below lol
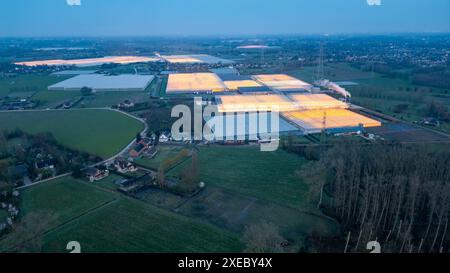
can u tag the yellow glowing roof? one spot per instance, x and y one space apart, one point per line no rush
182 59
254 103
91 61
334 118
194 82
235 85
317 101
281 81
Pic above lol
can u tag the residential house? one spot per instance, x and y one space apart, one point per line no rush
124 166
163 138
45 164
140 147
126 104
95 174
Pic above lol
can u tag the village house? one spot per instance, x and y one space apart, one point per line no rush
126 104
163 138
45 164
124 166
140 147
94 174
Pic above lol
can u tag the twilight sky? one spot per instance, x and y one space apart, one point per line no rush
219 17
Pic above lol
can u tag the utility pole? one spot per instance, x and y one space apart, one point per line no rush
320 71
324 127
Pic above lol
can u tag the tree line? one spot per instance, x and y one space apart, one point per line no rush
396 194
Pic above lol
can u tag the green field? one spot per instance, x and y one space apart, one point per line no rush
386 95
245 186
26 85
104 221
111 98
51 99
164 153
334 72
99 132
269 176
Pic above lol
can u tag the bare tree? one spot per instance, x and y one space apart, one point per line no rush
263 238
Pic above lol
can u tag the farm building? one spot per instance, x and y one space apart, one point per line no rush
92 61
194 83
99 82
283 83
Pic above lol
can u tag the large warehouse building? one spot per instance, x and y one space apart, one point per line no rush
98 82
195 59
194 83
312 113
92 61
332 120
197 83
283 83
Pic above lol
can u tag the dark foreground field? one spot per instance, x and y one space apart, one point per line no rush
105 221
266 189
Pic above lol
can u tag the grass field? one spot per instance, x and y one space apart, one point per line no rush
108 99
334 72
26 85
51 99
268 176
158 87
236 211
65 198
99 132
104 221
386 95
164 153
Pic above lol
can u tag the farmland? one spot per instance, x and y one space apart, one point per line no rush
108 99
262 187
26 85
269 176
164 153
98 132
108 222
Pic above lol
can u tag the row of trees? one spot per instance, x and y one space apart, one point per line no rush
396 194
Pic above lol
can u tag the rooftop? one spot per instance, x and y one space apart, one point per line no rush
92 61
254 103
195 58
282 82
316 120
317 101
194 82
104 82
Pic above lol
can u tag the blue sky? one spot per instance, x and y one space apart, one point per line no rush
219 17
